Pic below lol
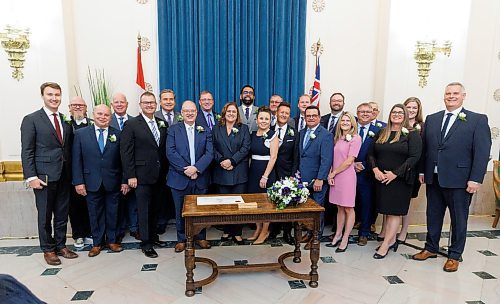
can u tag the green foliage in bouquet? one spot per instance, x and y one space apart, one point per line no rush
289 191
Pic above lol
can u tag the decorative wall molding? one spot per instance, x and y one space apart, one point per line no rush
142 1
145 44
11 171
495 133
318 5
496 95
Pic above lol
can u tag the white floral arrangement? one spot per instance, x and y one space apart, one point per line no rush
462 116
112 138
179 118
235 130
348 137
290 132
312 136
404 131
200 129
371 134
161 124
217 116
418 127
264 135
67 119
378 124
287 192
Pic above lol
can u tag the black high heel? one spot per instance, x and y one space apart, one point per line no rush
224 238
402 241
377 256
380 238
394 246
339 250
240 242
333 245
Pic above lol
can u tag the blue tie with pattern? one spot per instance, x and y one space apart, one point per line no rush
100 140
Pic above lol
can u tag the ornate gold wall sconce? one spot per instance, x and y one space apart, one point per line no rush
15 42
425 53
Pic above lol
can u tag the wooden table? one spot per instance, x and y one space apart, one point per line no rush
199 217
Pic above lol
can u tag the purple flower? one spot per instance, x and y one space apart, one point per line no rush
285 191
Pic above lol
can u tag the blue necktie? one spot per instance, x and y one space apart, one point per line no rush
155 132
121 123
306 138
247 113
169 119
445 126
332 125
301 123
100 140
210 124
362 133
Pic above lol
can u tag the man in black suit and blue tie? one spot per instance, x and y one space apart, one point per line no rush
300 120
46 140
190 153
457 145
330 120
97 175
206 117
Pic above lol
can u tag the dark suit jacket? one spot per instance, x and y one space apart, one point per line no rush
159 115
178 156
141 157
296 122
114 122
201 121
315 160
41 152
234 147
93 168
288 157
462 155
366 176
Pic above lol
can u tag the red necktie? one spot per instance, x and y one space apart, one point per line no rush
58 128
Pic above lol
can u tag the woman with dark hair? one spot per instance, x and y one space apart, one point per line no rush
231 141
393 156
264 151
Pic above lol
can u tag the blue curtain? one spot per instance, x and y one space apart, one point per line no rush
221 45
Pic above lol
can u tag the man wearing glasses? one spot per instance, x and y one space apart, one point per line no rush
248 112
206 118
142 149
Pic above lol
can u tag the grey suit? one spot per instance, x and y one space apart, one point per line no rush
159 114
251 122
44 156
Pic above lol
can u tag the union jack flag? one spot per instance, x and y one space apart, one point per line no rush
316 88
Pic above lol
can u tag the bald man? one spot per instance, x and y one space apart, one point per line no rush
189 166
78 212
97 176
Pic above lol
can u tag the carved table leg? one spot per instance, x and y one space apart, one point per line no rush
298 237
314 253
189 262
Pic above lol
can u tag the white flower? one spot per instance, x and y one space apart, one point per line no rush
161 124
112 138
200 129
462 116
418 127
264 135
217 116
290 132
404 131
67 119
312 136
348 137
371 134
378 124
179 118
235 130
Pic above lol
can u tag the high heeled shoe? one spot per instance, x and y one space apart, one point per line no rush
253 237
261 242
393 247
333 244
380 238
377 256
224 238
340 250
402 241
239 242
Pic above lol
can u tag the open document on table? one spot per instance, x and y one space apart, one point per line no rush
219 200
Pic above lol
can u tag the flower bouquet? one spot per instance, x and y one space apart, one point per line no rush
289 191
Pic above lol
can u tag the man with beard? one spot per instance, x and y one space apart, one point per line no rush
248 112
78 212
329 121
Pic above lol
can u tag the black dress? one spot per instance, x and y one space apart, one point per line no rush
400 158
258 149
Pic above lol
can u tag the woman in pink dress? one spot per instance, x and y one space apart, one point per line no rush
342 178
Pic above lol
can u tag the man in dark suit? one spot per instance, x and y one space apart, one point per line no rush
142 149
376 111
287 161
97 176
190 152
300 121
365 202
78 212
167 108
46 140
274 102
457 145
315 160
248 109
206 117
127 210
330 120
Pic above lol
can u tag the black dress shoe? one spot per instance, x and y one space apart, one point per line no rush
160 244
240 242
334 245
340 250
160 229
150 253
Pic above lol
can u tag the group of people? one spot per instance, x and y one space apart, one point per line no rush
129 170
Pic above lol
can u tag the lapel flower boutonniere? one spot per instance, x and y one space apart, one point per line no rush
404 131
418 127
179 118
161 124
264 135
371 134
462 116
112 138
200 129
235 130
312 136
348 137
218 117
67 119
378 124
290 132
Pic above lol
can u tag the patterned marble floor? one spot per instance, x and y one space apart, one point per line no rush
350 277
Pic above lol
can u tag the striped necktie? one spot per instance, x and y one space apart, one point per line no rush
155 132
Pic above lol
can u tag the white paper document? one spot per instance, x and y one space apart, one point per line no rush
219 200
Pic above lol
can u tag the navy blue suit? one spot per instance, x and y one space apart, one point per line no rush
315 161
461 156
102 176
364 184
179 157
201 121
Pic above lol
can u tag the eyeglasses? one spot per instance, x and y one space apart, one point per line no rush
78 106
188 111
247 93
148 103
206 99
365 112
312 116
398 113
